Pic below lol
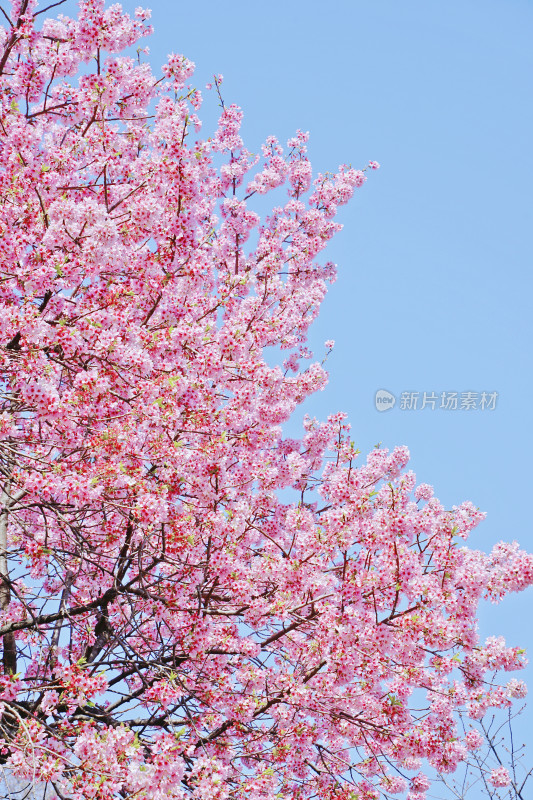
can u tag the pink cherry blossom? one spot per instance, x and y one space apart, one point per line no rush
499 777
474 739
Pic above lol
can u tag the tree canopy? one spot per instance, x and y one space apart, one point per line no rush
173 625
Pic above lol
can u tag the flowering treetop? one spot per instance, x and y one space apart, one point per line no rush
171 628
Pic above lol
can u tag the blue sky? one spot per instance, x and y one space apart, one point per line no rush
434 288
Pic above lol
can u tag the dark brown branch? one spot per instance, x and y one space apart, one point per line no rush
13 38
45 619
289 628
53 5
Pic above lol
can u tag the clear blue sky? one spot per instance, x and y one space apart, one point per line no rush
435 259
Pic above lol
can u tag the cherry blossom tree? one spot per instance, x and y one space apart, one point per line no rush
174 625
